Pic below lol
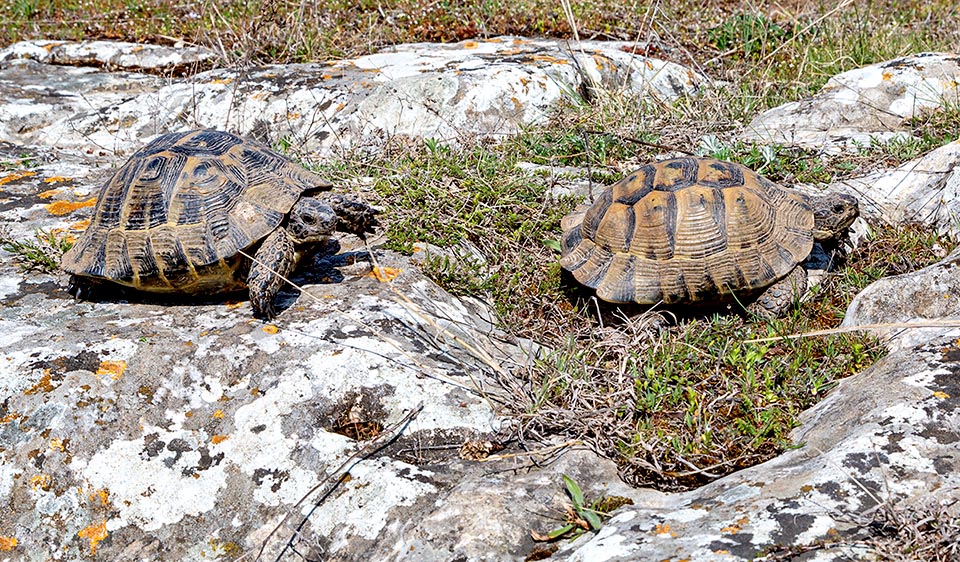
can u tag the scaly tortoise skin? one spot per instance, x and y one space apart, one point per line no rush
175 217
697 230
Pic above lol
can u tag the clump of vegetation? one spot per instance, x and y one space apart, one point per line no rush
580 517
41 253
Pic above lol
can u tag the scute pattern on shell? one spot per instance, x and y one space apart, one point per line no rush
686 230
174 216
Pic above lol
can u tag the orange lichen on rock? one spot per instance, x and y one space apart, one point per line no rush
58 444
663 529
8 543
54 179
94 534
736 527
270 329
48 193
16 176
470 44
218 414
384 274
113 368
10 417
549 59
80 225
42 385
61 208
102 495
41 482
217 439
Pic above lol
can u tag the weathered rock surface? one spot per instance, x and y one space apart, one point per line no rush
929 295
869 103
925 191
440 91
153 430
111 55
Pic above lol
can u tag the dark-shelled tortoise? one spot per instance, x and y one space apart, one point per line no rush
177 215
697 230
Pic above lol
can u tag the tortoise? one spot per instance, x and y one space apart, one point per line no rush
181 213
698 231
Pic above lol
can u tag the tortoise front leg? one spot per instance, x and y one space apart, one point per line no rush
778 297
352 216
275 256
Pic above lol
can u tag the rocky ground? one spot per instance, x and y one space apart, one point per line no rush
348 429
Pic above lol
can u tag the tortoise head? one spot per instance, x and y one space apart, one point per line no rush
310 220
833 214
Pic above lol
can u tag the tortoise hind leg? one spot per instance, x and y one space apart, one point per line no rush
352 215
275 256
777 298
85 288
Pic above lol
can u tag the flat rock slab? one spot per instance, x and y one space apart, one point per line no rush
857 107
442 91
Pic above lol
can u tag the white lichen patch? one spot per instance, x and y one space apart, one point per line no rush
154 492
267 447
12 333
17 370
689 514
115 349
609 543
8 286
925 378
907 414
820 527
8 474
365 505
362 364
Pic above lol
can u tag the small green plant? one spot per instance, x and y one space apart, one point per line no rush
42 253
458 276
283 145
748 35
435 146
580 517
25 8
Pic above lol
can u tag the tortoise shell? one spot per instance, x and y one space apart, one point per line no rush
175 215
687 230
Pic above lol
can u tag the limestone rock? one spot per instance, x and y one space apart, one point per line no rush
930 295
854 107
925 190
487 88
111 55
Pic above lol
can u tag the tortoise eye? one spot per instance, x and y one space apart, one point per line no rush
838 208
308 218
